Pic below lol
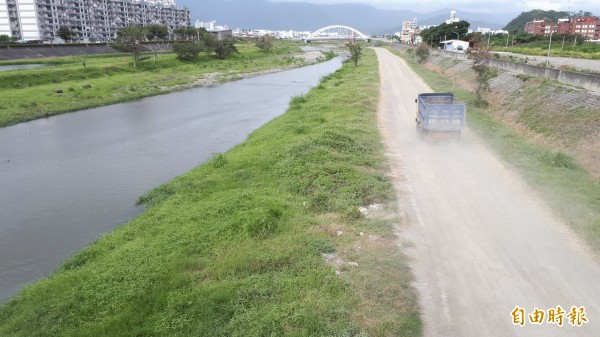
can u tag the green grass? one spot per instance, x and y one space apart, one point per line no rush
567 188
30 94
587 50
233 248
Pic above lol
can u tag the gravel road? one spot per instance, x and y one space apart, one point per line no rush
480 241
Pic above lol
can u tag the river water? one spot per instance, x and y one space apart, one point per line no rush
21 67
66 180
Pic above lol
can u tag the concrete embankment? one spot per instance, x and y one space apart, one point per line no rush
587 81
31 52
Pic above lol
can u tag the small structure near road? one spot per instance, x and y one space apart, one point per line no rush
454 45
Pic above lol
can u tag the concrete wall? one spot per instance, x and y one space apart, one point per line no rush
29 52
586 81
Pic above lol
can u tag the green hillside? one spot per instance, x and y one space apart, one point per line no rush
518 23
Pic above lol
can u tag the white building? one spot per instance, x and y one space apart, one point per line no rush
87 20
409 25
453 18
454 45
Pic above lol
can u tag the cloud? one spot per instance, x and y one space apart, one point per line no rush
545 5
490 6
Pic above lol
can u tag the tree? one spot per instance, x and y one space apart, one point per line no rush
581 14
518 23
480 55
189 33
355 51
128 40
4 39
158 49
187 51
209 41
156 32
225 48
264 43
65 33
422 52
445 31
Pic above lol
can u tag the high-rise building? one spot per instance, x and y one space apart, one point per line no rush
87 20
409 25
453 18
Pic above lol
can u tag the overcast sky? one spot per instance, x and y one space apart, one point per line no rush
488 6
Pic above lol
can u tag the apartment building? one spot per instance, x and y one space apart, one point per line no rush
588 27
88 20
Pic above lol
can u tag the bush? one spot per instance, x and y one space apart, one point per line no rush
225 48
264 43
187 51
423 52
355 51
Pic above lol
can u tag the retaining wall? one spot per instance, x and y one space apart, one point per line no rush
586 81
29 52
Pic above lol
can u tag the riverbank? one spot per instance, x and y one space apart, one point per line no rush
289 233
76 83
534 125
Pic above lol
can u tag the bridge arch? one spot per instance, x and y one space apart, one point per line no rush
337 32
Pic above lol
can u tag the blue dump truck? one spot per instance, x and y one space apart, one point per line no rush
439 115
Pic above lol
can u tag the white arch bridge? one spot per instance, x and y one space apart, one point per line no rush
337 32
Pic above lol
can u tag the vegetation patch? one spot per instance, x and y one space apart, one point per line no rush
242 245
111 77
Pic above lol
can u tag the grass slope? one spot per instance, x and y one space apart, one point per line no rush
234 247
567 188
108 79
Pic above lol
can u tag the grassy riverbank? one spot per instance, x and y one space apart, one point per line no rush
566 187
108 79
264 240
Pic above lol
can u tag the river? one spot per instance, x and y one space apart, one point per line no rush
21 67
67 179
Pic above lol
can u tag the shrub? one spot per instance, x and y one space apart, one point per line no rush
264 43
423 52
355 51
187 51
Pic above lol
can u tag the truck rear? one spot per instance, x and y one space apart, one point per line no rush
440 115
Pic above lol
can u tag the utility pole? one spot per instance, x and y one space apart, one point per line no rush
549 45
489 35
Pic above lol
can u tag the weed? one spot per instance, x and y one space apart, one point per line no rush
297 101
558 159
218 161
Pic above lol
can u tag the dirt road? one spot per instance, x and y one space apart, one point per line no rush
481 243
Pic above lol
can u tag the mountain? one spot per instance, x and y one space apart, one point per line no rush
264 14
519 22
